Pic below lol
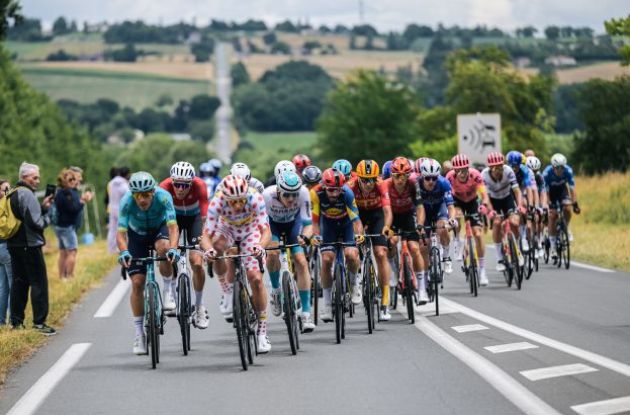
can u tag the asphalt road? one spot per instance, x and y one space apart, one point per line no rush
560 345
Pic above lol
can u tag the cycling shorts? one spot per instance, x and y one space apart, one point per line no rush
406 222
335 231
505 206
247 236
139 246
291 230
470 208
193 227
373 221
434 213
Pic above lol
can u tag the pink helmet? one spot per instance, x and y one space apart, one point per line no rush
460 161
495 159
234 187
418 164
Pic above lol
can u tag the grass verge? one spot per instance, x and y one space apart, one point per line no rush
94 262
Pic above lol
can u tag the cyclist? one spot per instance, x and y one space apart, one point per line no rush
301 161
402 194
559 189
146 220
209 173
311 176
335 217
237 214
534 164
242 170
191 207
375 212
467 185
345 167
435 206
505 198
529 192
282 165
289 209
387 170
447 166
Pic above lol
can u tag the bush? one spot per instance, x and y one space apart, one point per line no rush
61 56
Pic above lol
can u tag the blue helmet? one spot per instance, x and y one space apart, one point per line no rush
343 166
514 159
387 169
289 181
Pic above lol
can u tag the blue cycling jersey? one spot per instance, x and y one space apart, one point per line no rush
523 177
441 193
212 183
144 222
553 182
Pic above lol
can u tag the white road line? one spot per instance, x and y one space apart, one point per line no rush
591 267
113 299
510 347
557 371
607 407
469 327
36 395
591 357
512 390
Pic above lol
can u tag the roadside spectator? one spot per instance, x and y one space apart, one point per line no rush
113 172
117 187
5 266
69 205
27 258
78 174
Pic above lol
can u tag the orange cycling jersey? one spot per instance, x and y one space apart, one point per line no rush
372 200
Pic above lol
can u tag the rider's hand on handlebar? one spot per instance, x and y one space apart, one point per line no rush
576 208
359 239
210 254
483 210
304 240
453 222
387 231
124 258
316 240
492 214
522 210
258 251
173 255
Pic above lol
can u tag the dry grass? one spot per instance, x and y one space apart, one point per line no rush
94 262
604 70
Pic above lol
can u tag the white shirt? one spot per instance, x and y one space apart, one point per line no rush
502 188
279 213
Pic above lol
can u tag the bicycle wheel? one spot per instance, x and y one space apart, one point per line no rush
338 300
376 294
289 311
473 272
315 285
367 294
546 246
152 335
566 248
518 270
252 325
183 311
435 271
408 292
242 329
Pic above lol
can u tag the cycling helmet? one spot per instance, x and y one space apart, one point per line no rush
141 182
413 167
418 163
216 164
447 166
333 178
558 160
460 161
367 169
400 165
289 181
241 169
182 171
495 159
234 187
387 169
514 159
311 175
283 165
205 168
430 168
533 163
344 166
301 161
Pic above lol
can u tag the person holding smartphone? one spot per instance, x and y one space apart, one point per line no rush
5 265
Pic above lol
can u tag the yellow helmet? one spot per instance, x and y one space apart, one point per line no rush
368 169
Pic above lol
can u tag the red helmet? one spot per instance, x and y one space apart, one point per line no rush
418 163
460 161
495 159
301 161
333 178
401 165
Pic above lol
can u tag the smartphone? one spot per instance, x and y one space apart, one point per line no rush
50 190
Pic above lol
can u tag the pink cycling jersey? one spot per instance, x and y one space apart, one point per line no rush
466 191
245 227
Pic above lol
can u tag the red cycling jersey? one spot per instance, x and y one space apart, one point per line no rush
405 201
195 202
373 200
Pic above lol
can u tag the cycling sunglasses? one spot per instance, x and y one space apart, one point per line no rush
290 195
461 171
429 178
234 202
367 180
142 195
181 185
333 189
400 175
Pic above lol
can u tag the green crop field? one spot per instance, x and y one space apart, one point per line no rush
129 89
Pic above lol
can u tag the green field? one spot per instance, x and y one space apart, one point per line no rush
129 89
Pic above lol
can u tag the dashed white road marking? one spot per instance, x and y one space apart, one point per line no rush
557 371
510 347
607 407
469 327
35 396
113 299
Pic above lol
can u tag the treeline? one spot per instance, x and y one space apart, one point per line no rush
105 118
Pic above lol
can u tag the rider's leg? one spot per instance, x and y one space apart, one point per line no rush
384 272
303 279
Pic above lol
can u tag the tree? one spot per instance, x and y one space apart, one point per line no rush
61 56
287 27
281 48
552 32
203 50
164 100
367 112
239 74
28 30
270 38
126 54
365 30
203 106
9 12
60 26
620 27
414 31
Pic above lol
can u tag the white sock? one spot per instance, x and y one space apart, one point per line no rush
168 284
137 325
327 296
445 251
421 281
499 249
198 298
174 285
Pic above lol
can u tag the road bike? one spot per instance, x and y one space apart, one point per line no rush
512 256
183 309
436 272
315 267
340 292
406 279
563 245
371 290
470 256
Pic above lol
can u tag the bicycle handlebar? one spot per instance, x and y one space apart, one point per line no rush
280 247
140 261
189 247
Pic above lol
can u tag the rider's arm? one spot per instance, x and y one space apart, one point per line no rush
202 192
386 203
173 234
568 171
214 211
171 220
514 185
351 205
316 210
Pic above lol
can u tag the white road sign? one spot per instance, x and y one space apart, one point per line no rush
479 135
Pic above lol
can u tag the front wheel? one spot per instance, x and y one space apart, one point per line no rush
183 312
435 271
241 324
472 267
411 315
153 333
338 299
367 294
290 317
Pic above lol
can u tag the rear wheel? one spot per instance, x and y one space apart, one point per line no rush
565 253
338 299
240 323
472 259
153 335
290 317
314 268
367 294
435 271
517 269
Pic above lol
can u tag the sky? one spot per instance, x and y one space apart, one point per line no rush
385 15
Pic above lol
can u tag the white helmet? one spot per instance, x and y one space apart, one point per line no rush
182 171
533 163
234 187
284 165
558 160
430 168
241 169
289 181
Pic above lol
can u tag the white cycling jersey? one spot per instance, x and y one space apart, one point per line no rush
279 213
500 189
